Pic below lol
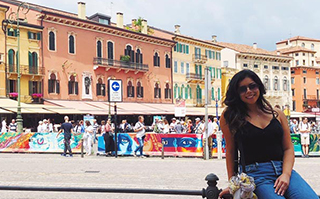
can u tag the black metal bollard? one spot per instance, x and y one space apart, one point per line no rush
212 191
81 148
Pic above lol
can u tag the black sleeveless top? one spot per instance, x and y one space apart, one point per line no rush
261 145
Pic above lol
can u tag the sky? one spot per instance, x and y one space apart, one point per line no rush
264 22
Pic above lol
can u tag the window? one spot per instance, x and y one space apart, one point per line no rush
199 94
187 68
139 90
312 46
11 55
304 93
182 92
110 50
304 71
157 91
255 66
212 93
293 72
312 63
99 49
189 91
35 87
297 62
275 83
73 85
304 80
167 92
265 67
53 84
292 80
13 86
101 88
285 84
292 92
293 105
182 68
33 63
35 36
12 32
138 56
197 52
312 55
245 65
71 44
275 67
168 61
128 51
317 81
130 89
52 41
266 82
297 54
156 60
303 62
303 54
317 72
176 91
187 49
284 68
317 94
303 45
175 69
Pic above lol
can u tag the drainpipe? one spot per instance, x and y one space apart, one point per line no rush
5 57
42 57
172 97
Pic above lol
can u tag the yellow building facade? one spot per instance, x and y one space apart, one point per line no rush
191 58
3 10
31 69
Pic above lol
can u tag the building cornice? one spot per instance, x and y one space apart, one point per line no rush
196 42
265 57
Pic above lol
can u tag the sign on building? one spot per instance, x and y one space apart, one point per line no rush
115 90
180 108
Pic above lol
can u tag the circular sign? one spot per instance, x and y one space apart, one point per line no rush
115 86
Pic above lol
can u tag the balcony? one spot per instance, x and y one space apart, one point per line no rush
26 70
199 59
310 98
120 65
194 78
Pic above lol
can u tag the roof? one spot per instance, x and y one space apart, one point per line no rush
243 48
298 38
294 49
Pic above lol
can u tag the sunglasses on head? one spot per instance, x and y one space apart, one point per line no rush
252 86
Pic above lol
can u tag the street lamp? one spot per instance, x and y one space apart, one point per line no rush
12 18
217 115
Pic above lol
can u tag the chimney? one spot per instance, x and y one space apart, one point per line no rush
214 38
119 20
177 29
81 10
255 46
144 26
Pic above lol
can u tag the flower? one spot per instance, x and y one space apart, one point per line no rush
36 95
13 94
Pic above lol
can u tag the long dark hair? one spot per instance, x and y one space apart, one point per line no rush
237 111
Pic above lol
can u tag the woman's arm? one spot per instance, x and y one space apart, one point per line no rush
283 181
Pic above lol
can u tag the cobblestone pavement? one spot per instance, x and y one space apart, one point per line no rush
123 172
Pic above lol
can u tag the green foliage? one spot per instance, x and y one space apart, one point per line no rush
125 58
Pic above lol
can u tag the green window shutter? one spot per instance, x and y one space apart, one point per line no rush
213 55
35 59
10 55
175 91
219 73
200 70
30 87
39 36
39 87
187 49
15 32
30 59
184 48
186 93
17 57
190 93
180 48
218 94
179 92
196 69
212 93
182 89
214 72
29 35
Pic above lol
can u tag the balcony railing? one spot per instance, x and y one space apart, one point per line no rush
120 64
310 97
194 76
26 70
197 58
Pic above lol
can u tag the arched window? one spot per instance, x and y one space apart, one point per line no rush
312 46
167 92
110 50
168 61
73 85
285 84
303 45
275 83
175 91
182 92
99 49
190 91
139 56
266 82
130 52
53 84
139 90
130 89
71 44
156 59
11 54
157 91
212 93
186 91
52 41
199 95
101 88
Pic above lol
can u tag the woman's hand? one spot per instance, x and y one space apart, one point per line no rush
282 184
224 191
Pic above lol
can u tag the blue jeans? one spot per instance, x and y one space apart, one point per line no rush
140 147
265 175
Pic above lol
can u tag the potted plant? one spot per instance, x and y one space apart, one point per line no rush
125 60
36 95
13 95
